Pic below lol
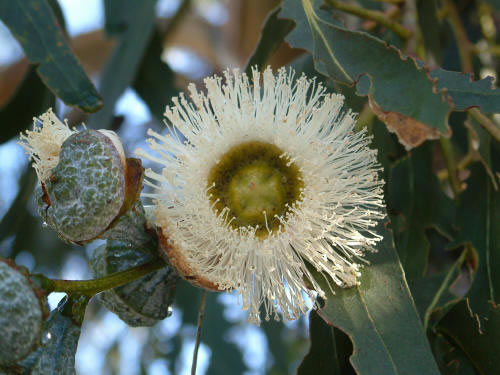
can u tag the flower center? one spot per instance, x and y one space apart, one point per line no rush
257 184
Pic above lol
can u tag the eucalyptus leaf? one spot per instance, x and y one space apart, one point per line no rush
466 93
380 317
136 19
34 25
400 91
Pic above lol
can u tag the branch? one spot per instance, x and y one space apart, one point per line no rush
372 15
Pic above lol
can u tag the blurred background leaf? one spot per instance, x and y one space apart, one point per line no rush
35 27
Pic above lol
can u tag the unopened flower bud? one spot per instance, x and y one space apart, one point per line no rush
87 183
23 309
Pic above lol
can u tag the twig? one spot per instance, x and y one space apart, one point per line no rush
468 159
451 165
198 333
465 48
372 15
486 123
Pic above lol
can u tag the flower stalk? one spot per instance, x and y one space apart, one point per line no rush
94 286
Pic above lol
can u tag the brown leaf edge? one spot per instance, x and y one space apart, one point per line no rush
410 132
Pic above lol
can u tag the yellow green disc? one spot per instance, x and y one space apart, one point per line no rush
253 178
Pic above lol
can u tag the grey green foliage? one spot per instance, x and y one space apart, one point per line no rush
21 315
140 303
87 187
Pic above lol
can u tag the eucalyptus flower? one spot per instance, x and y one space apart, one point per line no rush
263 180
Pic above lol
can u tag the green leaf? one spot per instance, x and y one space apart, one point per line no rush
34 25
329 351
155 81
478 223
466 93
271 36
120 70
481 348
380 317
31 98
400 92
142 302
415 202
